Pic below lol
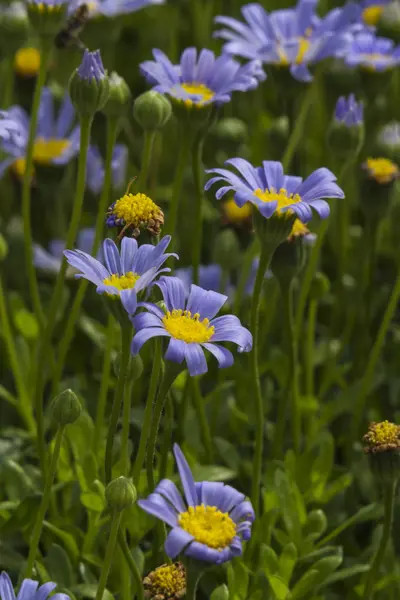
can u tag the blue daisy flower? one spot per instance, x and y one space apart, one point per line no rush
113 8
123 274
201 80
95 168
57 140
191 326
294 37
349 112
29 590
271 191
372 53
50 260
210 526
372 10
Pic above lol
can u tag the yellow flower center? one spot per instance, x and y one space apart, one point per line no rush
299 229
27 61
198 89
208 525
42 7
18 167
137 210
122 282
182 325
304 45
372 14
44 152
383 436
282 198
376 57
166 581
235 213
382 170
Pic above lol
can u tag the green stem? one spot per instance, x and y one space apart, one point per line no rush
373 359
198 170
37 530
167 437
193 575
132 565
8 89
184 149
148 414
26 187
149 137
389 496
309 347
104 385
126 337
108 559
112 132
169 376
265 259
244 274
126 423
202 419
24 404
56 299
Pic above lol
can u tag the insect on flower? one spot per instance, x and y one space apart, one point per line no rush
69 35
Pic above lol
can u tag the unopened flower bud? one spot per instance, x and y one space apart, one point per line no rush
120 494
119 100
346 133
66 408
47 17
89 85
320 286
135 367
227 250
316 523
231 130
3 248
382 444
152 110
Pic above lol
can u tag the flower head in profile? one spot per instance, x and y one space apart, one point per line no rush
95 168
191 326
134 212
29 590
381 170
123 274
56 142
349 112
50 260
372 10
273 192
372 53
295 37
212 522
113 8
167 582
201 80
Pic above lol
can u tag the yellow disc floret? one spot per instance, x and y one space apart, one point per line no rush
382 437
372 14
44 152
236 214
182 325
299 229
122 282
27 62
167 582
138 210
304 45
382 170
208 525
282 198
198 89
42 7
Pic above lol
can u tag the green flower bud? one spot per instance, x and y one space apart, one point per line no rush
120 494
135 368
46 18
66 408
231 129
320 286
227 250
316 523
3 248
14 28
152 110
119 100
89 86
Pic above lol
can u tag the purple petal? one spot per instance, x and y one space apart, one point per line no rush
186 476
206 303
144 320
168 490
176 541
28 589
129 301
211 493
142 336
128 250
160 510
173 292
6 587
175 351
44 591
195 359
230 499
205 553
223 355
244 511
111 257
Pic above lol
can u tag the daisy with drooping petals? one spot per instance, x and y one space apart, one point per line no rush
210 526
191 326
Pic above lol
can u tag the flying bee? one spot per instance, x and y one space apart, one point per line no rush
69 35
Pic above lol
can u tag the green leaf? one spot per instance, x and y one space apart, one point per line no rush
367 513
59 567
7 396
24 515
339 485
93 501
326 566
287 561
238 579
305 584
220 593
268 560
10 559
278 586
213 473
87 590
66 538
323 464
345 574
26 324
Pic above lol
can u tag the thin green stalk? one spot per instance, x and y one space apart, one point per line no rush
309 347
8 83
37 530
126 337
108 559
205 432
291 394
24 405
56 299
126 423
167 437
265 259
198 170
148 414
389 496
373 359
104 385
149 137
112 132
244 274
26 187
184 150
193 575
132 565
169 376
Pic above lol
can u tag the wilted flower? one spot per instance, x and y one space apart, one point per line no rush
349 112
382 170
212 524
134 212
112 8
167 582
56 142
50 260
191 326
29 590
95 168
382 444
201 80
27 62
372 53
